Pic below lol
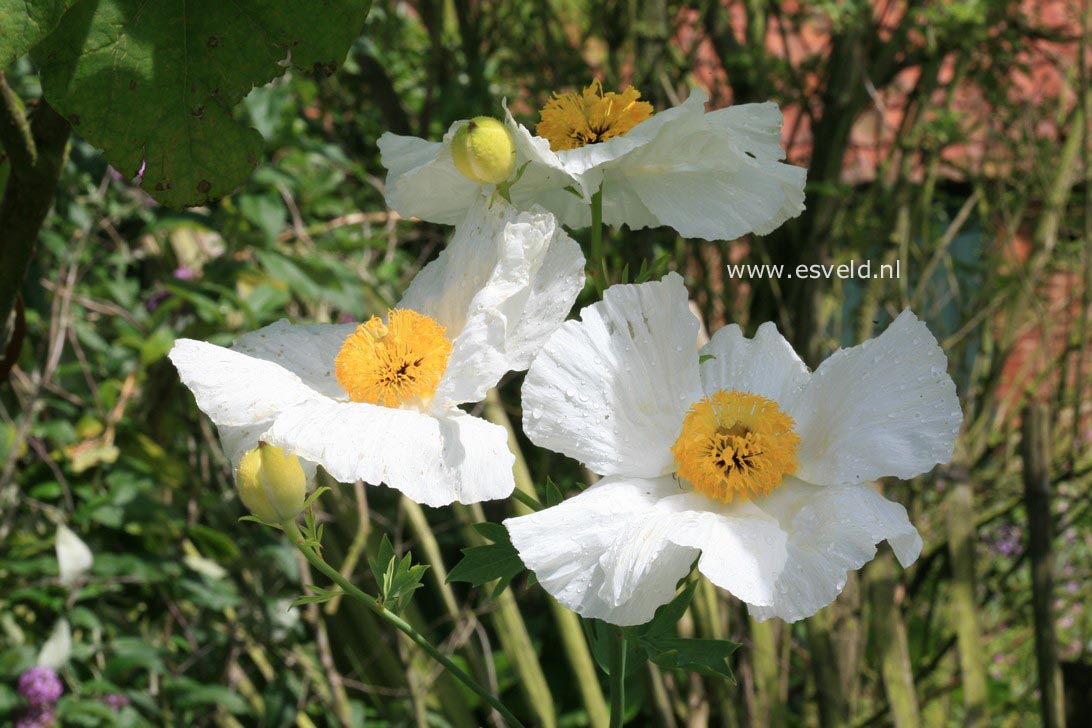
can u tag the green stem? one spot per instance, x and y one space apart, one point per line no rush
596 251
618 680
335 576
527 500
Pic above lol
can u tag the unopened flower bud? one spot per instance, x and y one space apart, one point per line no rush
271 483
483 150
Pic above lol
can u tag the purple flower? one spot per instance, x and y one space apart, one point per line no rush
184 273
155 299
40 686
38 717
1007 542
115 701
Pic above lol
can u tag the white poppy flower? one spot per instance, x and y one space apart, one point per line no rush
747 461
73 556
379 401
58 648
715 175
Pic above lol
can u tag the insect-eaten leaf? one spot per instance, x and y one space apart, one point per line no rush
497 561
396 577
155 84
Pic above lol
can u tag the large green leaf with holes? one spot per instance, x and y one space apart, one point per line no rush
155 82
25 22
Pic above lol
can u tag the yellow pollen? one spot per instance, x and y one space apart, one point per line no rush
736 445
391 364
575 120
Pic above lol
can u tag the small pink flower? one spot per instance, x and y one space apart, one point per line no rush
40 686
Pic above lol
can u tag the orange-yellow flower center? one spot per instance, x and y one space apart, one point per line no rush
736 445
575 120
392 364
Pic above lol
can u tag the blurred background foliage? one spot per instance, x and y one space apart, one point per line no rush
948 136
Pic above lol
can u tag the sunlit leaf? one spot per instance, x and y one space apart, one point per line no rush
25 22
155 84
496 561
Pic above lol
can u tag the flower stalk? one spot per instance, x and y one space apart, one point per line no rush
335 576
596 252
618 679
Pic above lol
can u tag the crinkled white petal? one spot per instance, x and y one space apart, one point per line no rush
73 556
306 350
244 388
238 440
234 388
716 176
832 530
612 389
752 128
433 460
548 173
422 180
704 181
616 551
765 365
543 173
503 284
560 186
884 408
571 210
584 160
592 555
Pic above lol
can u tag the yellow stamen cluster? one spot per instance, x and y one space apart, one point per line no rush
575 120
736 445
392 364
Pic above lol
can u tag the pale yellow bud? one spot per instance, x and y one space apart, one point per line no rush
483 150
271 483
